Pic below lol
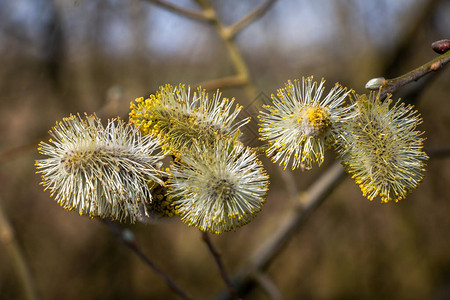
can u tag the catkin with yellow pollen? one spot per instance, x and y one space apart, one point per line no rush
300 124
381 148
218 188
182 118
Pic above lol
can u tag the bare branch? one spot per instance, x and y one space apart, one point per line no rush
16 257
309 201
391 85
230 81
242 76
251 17
220 265
267 284
127 238
204 15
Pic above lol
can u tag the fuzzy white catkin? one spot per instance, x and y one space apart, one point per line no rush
218 188
100 171
302 123
382 149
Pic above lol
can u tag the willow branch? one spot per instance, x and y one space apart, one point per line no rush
204 15
391 85
230 81
129 240
17 258
246 20
220 265
395 58
310 200
268 285
236 58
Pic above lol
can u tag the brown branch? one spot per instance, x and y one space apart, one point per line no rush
220 265
402 49
267 284
204 15
129 240
391 85
230 81
237 60
235 28
310 200
226 33
16 257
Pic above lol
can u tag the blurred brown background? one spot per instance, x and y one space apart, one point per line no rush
60 57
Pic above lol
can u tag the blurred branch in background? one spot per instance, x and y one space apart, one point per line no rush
393 60
231 30
16 256
227 34
268 286
308 202
96 68
204 15
315 195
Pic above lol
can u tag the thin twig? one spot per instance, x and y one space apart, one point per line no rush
246 20
230 81
402 49
220 265
310 200
317 193
17 258
204 15
129 240
391 85
237 60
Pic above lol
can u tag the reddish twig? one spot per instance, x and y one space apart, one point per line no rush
129 240
391 85
219 263
441 46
